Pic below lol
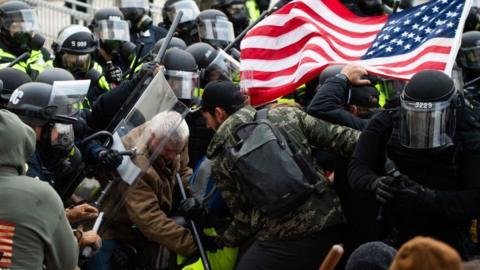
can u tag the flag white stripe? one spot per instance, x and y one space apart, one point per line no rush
291 37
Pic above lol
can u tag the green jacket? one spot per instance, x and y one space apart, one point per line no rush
34 230
321 211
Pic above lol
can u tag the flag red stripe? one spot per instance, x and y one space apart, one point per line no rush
423 66
275 31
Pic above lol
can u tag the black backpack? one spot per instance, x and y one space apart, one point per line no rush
272 172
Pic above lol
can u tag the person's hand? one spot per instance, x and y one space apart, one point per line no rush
412 196
211 243
149 68
355 74
91 239
384 189
111 159
191 208
114 74
81 213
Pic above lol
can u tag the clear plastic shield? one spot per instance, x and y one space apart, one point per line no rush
154 128
68 96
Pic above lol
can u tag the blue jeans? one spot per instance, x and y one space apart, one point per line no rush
101 260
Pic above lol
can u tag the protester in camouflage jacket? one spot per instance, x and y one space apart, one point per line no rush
318 213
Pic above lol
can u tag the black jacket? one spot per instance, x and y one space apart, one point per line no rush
329 104
451 172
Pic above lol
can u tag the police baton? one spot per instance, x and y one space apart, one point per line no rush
147 78
20 58
203 255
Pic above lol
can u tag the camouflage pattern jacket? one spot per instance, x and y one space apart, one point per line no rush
322 210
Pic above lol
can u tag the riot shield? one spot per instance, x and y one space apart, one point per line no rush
134 132
149 127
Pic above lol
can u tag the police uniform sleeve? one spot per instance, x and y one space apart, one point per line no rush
328 104
239 229
338 139
143 208
369 155
462 205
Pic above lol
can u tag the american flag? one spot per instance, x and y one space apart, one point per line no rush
7 231
293 45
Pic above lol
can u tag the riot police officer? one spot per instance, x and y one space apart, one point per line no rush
74 49
214 64
214 28
421 162
186 30
181 72
51 117
18 24
115 52
142 29
468 59
236 12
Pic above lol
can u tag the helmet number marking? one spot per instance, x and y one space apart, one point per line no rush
16 96
78 44
423 105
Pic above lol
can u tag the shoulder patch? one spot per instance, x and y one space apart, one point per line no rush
7 231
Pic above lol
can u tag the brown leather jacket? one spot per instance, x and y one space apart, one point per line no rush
148 202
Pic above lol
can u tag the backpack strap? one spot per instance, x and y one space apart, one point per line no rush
261 114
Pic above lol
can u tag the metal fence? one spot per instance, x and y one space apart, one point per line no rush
55 15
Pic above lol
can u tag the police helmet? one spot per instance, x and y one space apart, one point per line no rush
109 26
428 114
51 75
18 22
34 104
469 54
181 72
188 7
75 39
11 79
214 28
174 43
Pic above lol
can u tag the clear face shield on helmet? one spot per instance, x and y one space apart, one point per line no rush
183 83
427 125
223 67
67 97
470 57
188 7
217 32
20 21
112 30
76 63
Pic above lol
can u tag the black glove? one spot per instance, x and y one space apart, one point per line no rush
114 74
110 158
211 243
147 68
191 208
409 195
383 187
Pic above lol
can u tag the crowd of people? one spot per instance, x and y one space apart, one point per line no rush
189 175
